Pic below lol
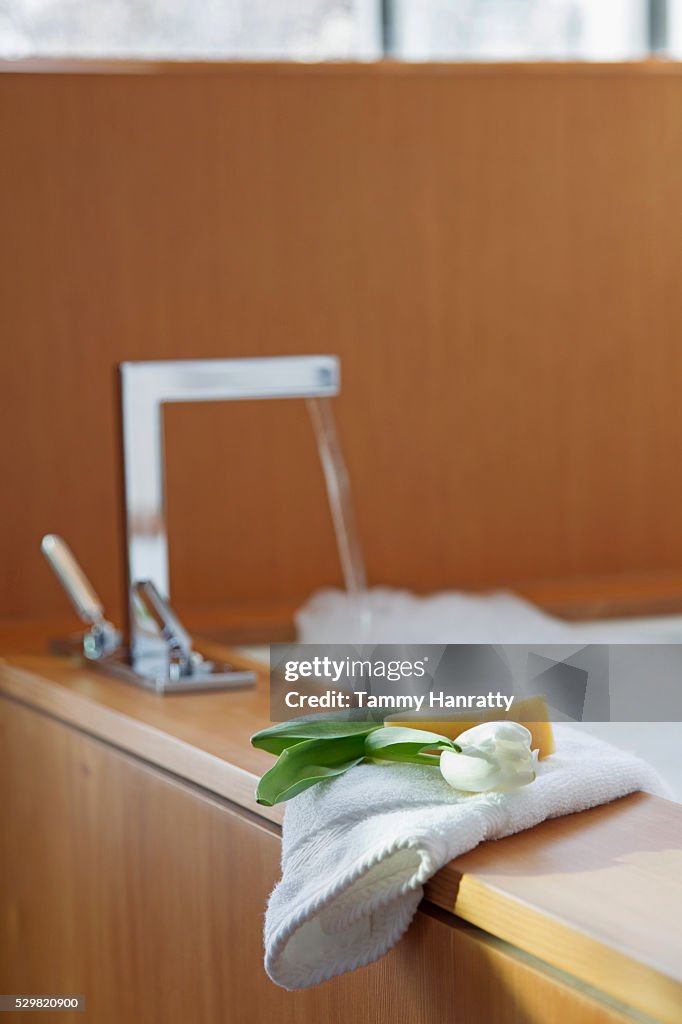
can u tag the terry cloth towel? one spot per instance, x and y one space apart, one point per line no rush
357 850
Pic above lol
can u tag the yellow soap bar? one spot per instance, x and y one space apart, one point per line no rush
531 712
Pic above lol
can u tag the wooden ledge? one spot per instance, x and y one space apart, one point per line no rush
201 737
339 68
597 894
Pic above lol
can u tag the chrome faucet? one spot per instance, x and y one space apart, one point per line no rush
159 653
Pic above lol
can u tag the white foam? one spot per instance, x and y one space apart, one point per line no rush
385 615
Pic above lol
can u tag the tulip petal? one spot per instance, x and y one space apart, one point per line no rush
494 755
471 772
507 733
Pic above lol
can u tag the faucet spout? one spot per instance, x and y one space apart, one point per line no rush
145 388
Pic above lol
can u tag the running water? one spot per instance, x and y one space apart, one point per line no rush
339 495
390 616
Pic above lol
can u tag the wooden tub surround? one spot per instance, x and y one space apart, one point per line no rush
135 867
493 253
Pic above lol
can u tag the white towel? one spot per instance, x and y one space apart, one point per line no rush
357 850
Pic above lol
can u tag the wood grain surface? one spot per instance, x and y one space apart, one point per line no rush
146 896
492 251
596 894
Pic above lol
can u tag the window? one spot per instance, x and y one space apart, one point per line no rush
674 33
342 29
182 29
518 29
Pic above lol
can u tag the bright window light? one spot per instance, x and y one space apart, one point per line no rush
521 29
341 29
675 28
183 29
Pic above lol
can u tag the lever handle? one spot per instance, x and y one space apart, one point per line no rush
69 573
101 637
157 607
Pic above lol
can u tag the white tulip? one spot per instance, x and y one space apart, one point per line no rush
495 755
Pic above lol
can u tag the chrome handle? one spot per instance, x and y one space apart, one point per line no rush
155 607
179 670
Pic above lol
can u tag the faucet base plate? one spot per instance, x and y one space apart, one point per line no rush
212 676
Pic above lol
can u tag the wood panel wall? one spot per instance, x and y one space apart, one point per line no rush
494 253
145 896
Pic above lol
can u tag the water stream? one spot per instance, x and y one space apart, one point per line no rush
339 495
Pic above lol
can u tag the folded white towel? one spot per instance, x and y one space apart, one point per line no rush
357 850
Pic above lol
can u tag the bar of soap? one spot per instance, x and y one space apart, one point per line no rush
531 712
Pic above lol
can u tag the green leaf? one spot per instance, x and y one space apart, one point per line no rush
278 737
408 745
308 762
